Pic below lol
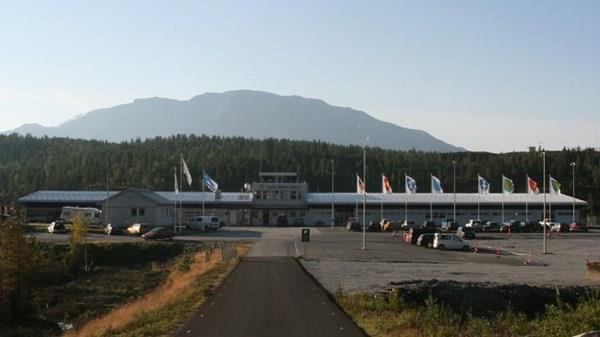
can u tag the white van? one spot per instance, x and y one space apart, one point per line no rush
92 215
204 223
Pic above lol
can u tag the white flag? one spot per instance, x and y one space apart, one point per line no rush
176 184
187 173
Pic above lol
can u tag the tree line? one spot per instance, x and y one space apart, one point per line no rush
28 164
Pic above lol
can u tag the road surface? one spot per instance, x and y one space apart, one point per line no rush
268 297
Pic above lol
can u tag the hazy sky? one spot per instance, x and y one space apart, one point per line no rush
485 75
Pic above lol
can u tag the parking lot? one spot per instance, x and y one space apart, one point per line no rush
336 258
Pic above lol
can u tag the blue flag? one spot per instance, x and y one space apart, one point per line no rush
411 185
209 182
484 186
436 185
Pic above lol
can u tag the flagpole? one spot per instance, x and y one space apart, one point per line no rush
573 165
526 199
478 198
454 188
405 201
502 198
431 199
381 199
175 201
332 194
550 199
203 174
364 247
181 188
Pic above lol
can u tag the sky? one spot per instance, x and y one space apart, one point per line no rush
486 75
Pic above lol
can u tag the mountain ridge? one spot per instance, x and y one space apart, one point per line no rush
243 113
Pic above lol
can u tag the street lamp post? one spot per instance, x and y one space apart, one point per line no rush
573 166
364 245
454 189
544 248
332 194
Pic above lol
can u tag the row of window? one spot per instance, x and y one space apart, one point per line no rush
278 195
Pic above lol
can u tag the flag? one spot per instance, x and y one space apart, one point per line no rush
436 185
508 187
411 185
386 188
554 186
176 184
186 171
532 186
360 185
209 182
483 186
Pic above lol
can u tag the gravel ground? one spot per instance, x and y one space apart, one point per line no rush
564 266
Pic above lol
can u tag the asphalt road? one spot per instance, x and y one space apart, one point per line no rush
269 296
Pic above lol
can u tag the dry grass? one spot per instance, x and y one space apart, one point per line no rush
175 285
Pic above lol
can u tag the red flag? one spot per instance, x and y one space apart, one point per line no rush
532 186
386 188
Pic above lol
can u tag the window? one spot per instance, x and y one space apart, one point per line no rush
293 195
138 212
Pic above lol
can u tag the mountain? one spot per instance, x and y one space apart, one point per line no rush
242 113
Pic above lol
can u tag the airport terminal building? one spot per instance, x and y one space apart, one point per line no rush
282 199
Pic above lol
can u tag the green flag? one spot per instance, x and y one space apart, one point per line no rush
554 186
508 187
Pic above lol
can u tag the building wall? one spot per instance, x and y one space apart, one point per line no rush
132 207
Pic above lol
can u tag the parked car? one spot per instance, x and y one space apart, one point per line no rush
57 226
429 225
491 226
414 233
114 229
465 232
425 240
449 225
450 241
559 227
529 227
407 225
513 225
159 233
578 227
549 223
353 225
204 223
389 225
138 228
374 227
475 224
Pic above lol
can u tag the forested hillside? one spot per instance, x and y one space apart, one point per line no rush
28 164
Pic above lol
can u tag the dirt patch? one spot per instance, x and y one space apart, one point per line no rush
488 299
176 284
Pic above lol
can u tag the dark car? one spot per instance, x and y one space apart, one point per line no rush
374 227
512 225
529 227
353 225
578 227
428 225
491 226
425 240
414 233
465 232
449 225
159 233
115 229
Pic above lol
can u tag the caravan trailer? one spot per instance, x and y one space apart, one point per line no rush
92 215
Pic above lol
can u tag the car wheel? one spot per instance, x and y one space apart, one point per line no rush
466 248
441 247
430 245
